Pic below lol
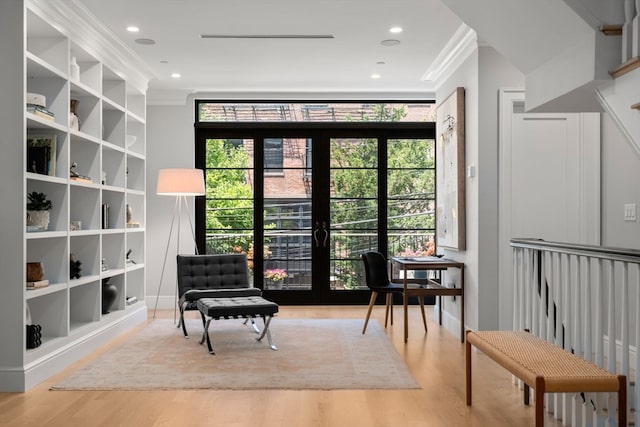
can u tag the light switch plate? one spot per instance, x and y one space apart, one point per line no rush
471 171
630 212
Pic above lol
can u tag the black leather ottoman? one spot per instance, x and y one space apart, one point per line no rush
234 308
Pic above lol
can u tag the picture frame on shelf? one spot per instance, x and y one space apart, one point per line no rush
42 154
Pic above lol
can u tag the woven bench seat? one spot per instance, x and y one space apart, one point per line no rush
545 367
245 307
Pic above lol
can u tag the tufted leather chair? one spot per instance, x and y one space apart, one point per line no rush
211 276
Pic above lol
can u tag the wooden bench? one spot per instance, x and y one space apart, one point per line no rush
545 367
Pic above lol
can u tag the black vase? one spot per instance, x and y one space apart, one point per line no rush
109 294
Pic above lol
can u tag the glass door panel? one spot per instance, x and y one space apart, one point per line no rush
229 206
410 196
288 210
353 207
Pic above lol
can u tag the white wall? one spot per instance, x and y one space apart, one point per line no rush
482 74
495 73
466 76
170 144
620 186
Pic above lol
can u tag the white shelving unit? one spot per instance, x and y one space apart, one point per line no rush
108 147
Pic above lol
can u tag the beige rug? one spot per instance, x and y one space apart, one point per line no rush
322 354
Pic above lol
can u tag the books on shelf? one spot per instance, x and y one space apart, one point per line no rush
41 154
38 284
40 111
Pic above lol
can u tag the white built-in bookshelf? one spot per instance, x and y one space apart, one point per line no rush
108 149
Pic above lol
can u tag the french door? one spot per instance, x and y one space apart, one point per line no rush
305 201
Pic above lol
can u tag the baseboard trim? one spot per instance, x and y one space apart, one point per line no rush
21 380
450 323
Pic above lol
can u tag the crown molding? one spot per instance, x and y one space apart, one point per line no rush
461 45
74 20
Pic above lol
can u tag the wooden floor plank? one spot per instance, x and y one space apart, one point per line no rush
436 360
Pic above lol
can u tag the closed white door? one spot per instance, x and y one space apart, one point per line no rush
549 182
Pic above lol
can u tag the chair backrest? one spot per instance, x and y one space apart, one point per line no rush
375 269
229 271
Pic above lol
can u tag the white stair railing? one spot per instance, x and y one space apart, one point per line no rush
585 299
630 30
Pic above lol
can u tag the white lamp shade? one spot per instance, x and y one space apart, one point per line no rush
180 182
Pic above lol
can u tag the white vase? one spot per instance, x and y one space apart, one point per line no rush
27 315
74 123
38 219
74 69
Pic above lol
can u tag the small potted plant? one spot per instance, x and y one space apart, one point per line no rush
38 210
275 277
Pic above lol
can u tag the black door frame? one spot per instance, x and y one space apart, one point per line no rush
320 134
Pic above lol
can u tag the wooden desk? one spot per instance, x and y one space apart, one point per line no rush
430 286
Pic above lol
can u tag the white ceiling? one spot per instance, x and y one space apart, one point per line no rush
339 65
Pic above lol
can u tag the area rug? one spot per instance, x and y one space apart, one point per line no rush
313 354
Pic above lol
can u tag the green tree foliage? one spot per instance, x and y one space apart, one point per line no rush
354 188
411 184
410 179
229 195
354 191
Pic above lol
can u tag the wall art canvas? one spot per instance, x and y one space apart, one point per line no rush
450 177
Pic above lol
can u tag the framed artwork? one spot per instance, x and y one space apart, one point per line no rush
41 154
450 178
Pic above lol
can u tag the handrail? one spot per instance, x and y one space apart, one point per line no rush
626 67
594 251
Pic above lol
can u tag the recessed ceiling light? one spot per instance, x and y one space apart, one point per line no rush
145 41
133 29
390 42
176 75
380 63
375 76
395 30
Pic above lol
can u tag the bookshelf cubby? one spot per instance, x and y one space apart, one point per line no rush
109 108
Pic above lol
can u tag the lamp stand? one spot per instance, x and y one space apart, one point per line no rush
177 211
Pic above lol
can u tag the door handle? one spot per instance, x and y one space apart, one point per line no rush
326 234
315 234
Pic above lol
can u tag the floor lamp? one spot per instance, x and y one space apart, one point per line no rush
180 183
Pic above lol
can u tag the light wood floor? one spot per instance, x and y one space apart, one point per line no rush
436 360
